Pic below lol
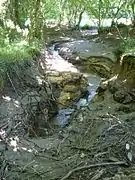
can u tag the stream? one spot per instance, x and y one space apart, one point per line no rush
56 63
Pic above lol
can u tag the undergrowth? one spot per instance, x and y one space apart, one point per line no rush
15 51
128 45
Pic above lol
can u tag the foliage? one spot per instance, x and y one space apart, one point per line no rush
17 51
128 45
19 39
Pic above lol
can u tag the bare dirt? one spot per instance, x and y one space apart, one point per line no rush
97 144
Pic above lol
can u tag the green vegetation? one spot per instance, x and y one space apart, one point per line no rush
22 22
128 45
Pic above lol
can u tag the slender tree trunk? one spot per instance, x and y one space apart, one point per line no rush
75 16
80 18
118 9
62 7
99 14
36 26
16 14
133 12
13 10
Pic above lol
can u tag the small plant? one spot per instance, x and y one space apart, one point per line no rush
15 53
127 45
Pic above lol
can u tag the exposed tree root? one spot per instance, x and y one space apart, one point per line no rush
92 166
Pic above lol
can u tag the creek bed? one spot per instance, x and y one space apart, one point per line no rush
63 116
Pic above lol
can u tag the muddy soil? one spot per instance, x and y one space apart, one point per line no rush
98 143
92 146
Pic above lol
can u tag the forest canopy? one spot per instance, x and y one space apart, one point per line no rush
23 22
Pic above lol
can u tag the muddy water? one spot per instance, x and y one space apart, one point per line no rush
63 116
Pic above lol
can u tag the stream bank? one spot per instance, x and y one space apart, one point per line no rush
92 146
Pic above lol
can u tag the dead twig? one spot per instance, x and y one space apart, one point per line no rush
59 146
98 174
12 84
80 148
92 166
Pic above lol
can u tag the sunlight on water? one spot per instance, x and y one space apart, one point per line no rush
86 20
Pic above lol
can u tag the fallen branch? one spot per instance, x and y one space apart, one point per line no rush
92 166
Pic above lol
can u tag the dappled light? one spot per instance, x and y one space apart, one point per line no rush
67 90
55 63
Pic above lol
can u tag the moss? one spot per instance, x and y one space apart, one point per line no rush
67 97
64 97
100 65
71 88
56 79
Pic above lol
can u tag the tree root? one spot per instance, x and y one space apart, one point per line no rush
92 166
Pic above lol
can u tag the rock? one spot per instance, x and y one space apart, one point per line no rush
101 65
124 109
122 96
71 87
122 85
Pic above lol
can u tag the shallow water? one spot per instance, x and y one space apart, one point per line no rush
57 63
63 116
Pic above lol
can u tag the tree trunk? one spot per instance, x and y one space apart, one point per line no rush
99 15
36 26
133 12
80 18
16 14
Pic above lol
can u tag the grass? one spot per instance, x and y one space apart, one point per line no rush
16 52
15 56
128 45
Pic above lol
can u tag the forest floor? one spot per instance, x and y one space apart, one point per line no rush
97 144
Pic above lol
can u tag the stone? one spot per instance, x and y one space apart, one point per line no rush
122 97
122 85
71 87
101 65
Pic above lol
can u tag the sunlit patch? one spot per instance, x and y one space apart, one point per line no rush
22 43
2 134
18 29
77 58
30 150
114 77
125 80
40 81
24 148
13 143
6 98
110 34
16 103
55 63
9 23
90 84
82 155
